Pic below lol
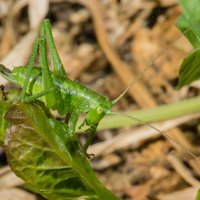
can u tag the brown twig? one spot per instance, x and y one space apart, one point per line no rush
139 92
183 171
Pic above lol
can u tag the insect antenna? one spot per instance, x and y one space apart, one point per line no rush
149 65
158 130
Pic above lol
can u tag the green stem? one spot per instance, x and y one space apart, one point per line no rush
159 113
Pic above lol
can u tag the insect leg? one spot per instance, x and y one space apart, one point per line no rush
90 131
32 83
30 67
54 99
58 67
47 82
38 95
72 122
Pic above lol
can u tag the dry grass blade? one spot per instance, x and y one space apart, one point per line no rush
183 171
37 11
185 194
8 179
16 194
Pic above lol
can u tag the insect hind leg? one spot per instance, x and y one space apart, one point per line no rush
29 70
58 67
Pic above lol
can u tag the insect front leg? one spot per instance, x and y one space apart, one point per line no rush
72 119
90 132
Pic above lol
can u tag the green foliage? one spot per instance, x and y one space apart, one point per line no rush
4 106
190 19
190 69
189 24
50 161
198 195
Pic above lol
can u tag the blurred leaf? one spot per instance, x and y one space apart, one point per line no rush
198 195
189 22
47 158
190 69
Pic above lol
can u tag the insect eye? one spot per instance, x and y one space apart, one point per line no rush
99 110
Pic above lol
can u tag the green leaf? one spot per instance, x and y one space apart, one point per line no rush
47 158
4 106
189 22
190 69
198 195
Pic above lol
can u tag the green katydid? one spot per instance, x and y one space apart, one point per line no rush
59 93
67 96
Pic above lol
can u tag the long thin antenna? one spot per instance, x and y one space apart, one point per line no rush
149 66
158 130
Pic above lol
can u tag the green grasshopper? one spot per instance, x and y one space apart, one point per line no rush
59 93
